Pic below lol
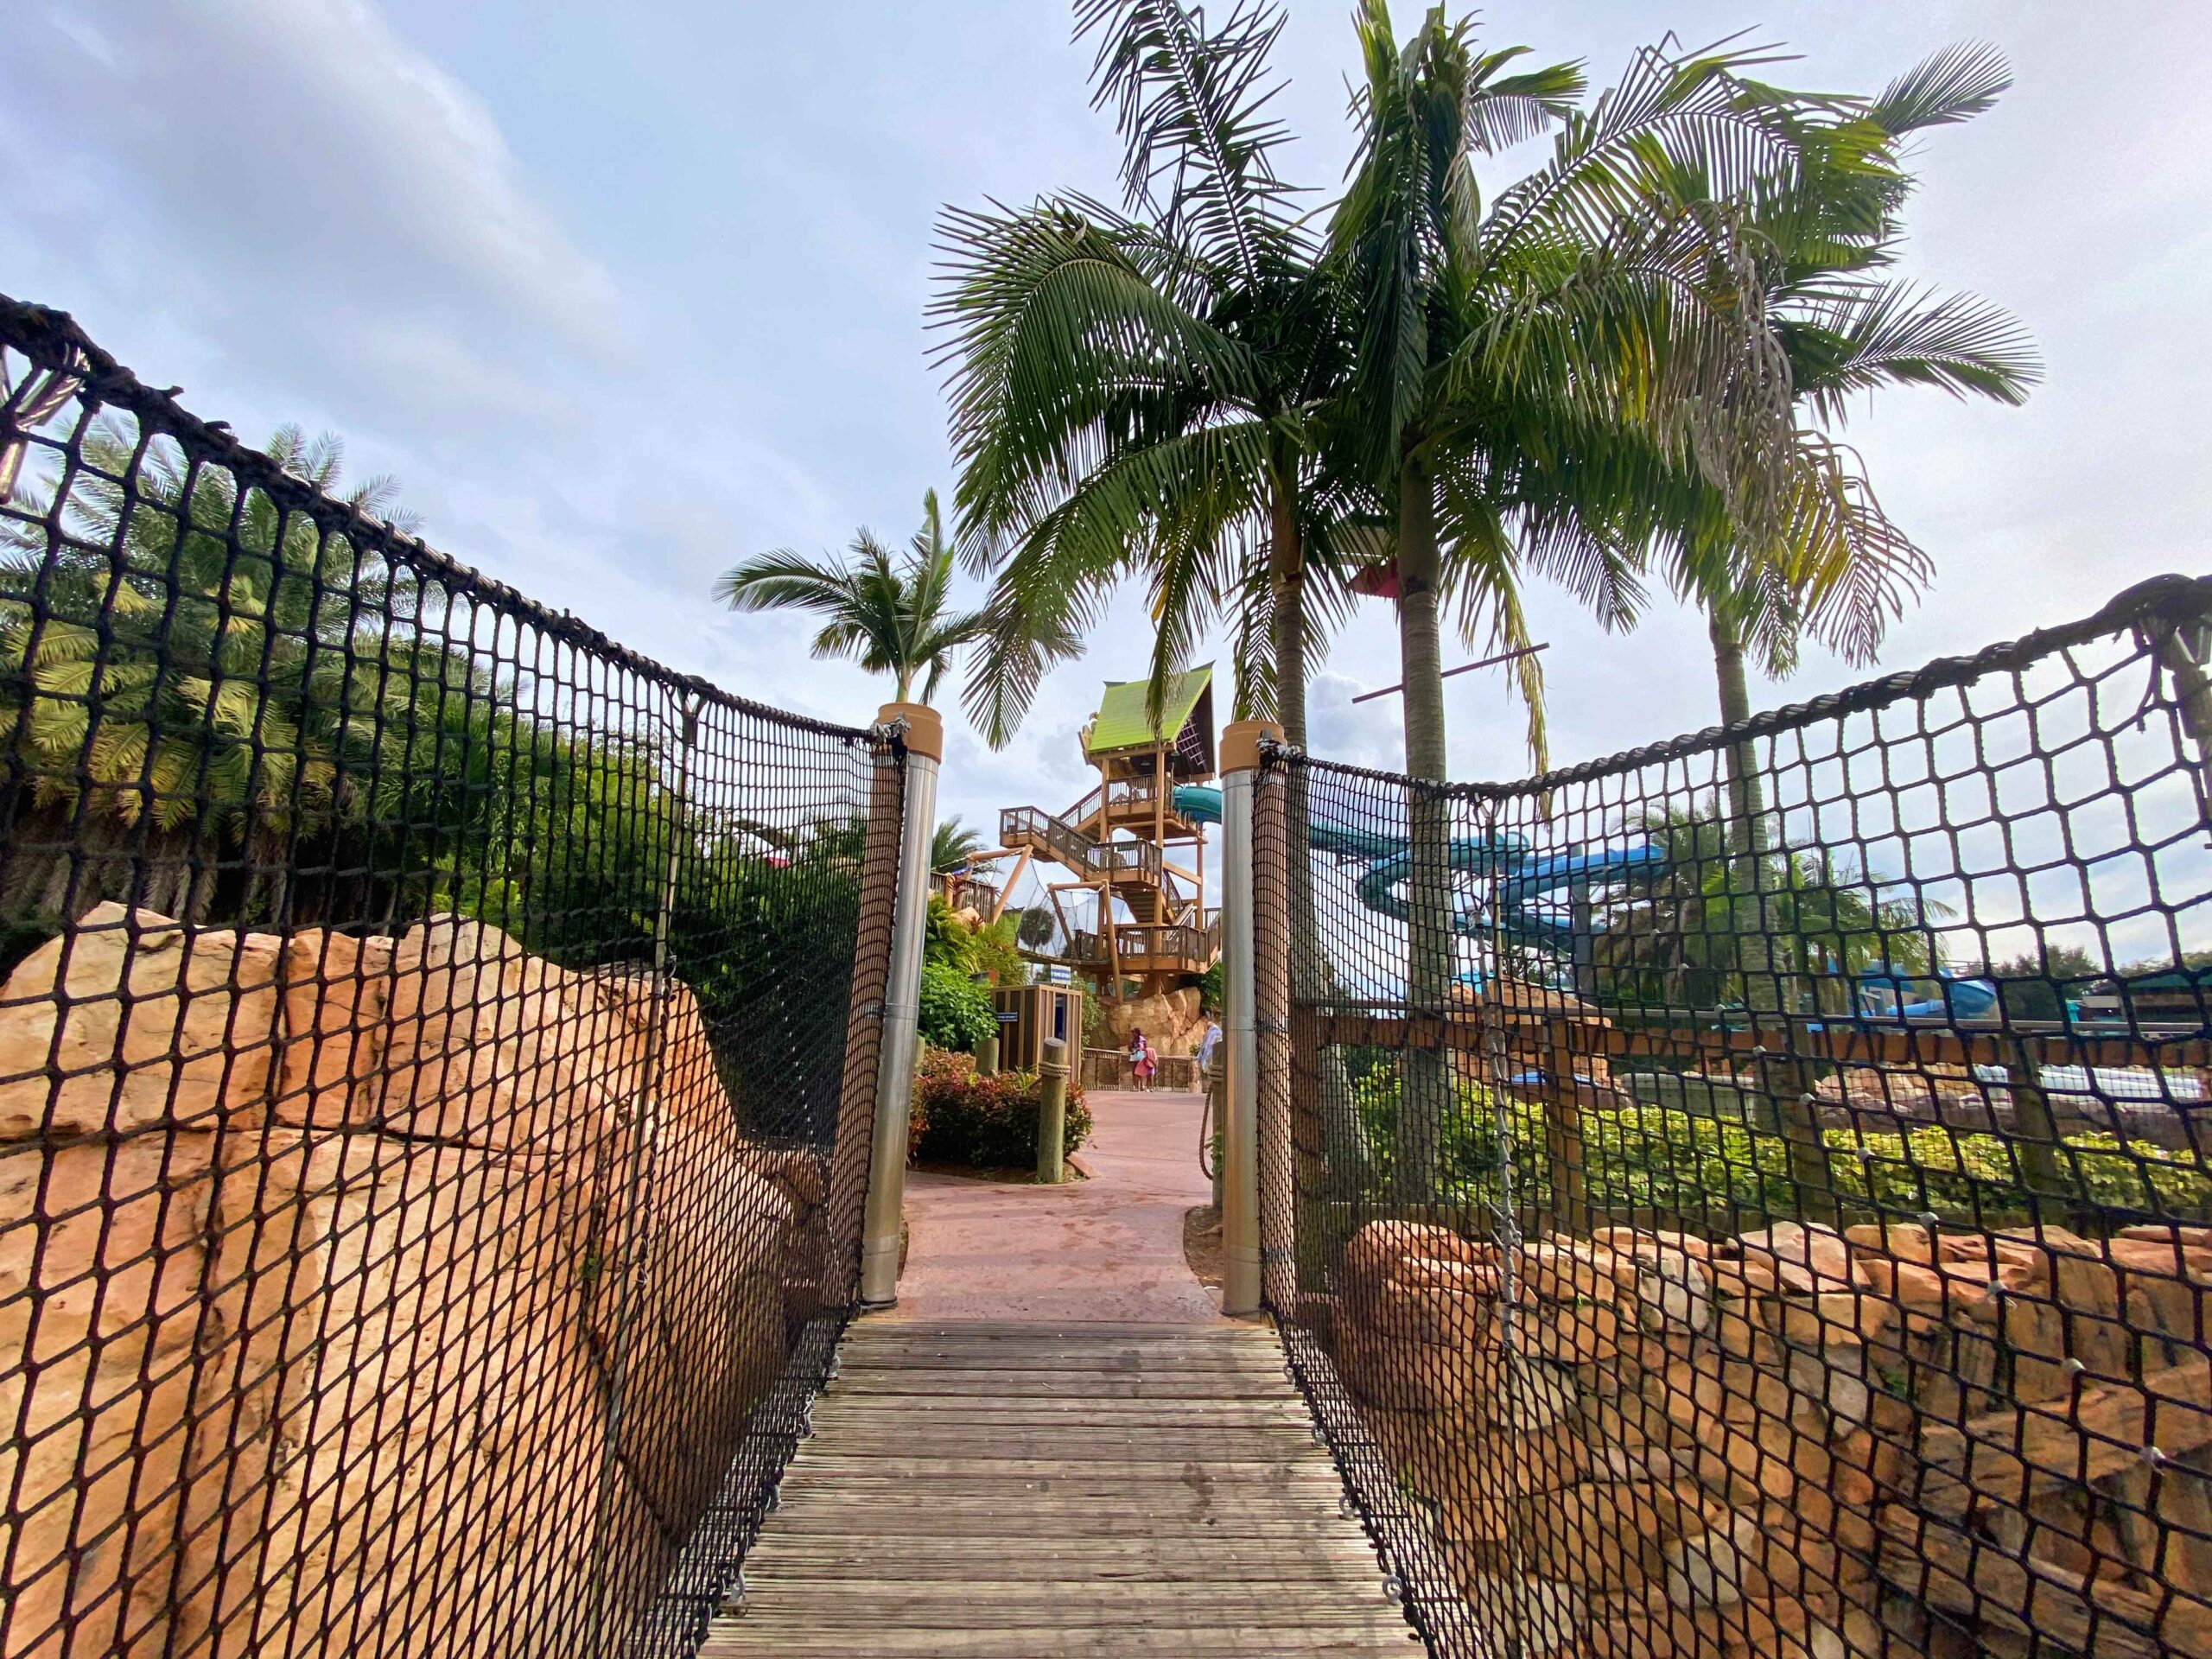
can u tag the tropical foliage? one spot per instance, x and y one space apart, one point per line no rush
1683 937
226 711
1133 388
955 1012
892 616
957 1117
178 670
1717 1175
952 845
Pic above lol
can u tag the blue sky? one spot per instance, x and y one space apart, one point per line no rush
623 293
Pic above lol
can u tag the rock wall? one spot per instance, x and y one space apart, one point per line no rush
1800 1442
322 1263
1170 1020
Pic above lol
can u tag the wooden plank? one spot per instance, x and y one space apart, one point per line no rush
1024 1490
869 1603
1087 1483
1047 1383
730 1638
1008 1356
867 1329
1051 1557
1031 1467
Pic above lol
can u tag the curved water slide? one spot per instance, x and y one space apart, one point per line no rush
1526 882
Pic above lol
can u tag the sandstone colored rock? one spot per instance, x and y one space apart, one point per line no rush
489 1045
336 996
1802 1255
130 1020
1373 1253
1607 1534
339 1378
100 1275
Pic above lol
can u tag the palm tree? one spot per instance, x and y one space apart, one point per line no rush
1674 940
1134 392
891 619
1605 293
186 672
952 846
1600 294
1835 564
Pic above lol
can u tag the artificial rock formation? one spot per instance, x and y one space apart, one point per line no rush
405 1296
1800 1442
1171 1021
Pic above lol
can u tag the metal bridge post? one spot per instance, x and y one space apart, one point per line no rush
894 1079
1240 1156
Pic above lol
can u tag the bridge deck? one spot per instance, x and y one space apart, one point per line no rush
1008 1490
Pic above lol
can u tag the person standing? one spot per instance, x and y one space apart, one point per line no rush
1140 1065
1209 1040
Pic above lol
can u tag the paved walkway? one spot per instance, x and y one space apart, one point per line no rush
1107 1248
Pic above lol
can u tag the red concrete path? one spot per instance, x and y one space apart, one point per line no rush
1109 1248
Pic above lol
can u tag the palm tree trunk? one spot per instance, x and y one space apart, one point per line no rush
1746 808
1286 570
1425 1103
1782 1079
1328 1146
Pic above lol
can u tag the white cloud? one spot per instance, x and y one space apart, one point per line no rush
299 148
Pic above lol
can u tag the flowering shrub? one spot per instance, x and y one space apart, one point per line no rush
957 1117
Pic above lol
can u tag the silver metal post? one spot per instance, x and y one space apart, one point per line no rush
1239 1155
882 1220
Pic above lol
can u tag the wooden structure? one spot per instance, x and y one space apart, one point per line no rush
1040 1012
1005 1490
1124 844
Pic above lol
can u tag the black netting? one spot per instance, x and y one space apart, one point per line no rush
1750 1196
431 1149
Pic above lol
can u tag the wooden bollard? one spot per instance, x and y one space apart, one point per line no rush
1052 1112
987 1056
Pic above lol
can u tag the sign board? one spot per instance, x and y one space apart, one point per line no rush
1009 1018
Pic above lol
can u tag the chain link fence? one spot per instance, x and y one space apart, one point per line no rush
1750 1196
437 1051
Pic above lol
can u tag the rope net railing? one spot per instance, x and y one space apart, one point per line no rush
437 1049
1753 1196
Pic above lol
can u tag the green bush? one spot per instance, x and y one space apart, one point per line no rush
1212 996
957 1117
1715 1175
1469 1158
956 1012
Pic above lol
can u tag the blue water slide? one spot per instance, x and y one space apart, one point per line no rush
1522 880
1886 993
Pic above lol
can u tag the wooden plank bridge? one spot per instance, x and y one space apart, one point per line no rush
1002 1490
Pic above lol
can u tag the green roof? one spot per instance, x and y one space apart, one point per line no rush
1120 723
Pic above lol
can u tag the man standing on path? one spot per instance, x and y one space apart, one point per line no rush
1209 1041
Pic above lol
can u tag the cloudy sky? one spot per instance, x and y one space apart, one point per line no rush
623 293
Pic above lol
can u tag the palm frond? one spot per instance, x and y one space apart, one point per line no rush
1857 336
1956 84
1191 105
